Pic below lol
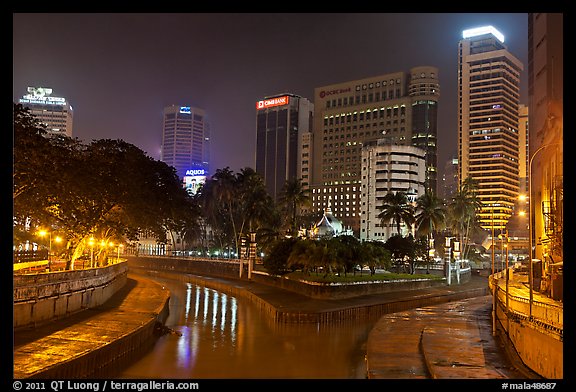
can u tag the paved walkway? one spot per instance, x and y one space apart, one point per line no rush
454 338
41 350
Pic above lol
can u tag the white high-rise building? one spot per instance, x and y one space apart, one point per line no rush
185 139
388 168
55 113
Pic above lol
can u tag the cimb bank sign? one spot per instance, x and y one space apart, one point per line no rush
271 102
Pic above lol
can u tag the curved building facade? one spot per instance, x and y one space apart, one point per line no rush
388 169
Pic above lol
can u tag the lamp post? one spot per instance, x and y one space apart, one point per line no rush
493 284
91 243
530 228
503 236
43 233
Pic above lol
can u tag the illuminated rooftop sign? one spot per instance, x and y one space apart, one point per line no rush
277 101
481 31
185 109
195 172
41 95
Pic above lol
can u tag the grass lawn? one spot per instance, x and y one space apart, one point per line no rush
351 278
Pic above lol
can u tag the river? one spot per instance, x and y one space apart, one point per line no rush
214 335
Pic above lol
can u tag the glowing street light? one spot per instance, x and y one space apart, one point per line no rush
44 233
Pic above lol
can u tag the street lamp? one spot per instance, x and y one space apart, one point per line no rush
493 284
530 224
91 243
502 237
43 233
118 257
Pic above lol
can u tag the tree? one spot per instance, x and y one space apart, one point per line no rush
109 189
402 249
292 197
276 260
430 218
255 207
462 212
396 208
375 255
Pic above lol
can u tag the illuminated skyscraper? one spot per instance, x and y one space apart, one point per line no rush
185 139
283 126
54 112
489 98
399 108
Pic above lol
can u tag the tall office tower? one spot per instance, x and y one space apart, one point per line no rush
489 94
399 108
546 163
54 112
185 139
283 126
388 168
449 179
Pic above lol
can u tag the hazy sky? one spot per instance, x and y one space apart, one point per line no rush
119 70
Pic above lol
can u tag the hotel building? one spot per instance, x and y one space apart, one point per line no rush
283 140
400 108
53 112
388 168
185 139
488 142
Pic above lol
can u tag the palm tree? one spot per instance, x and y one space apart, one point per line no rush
292 197
254 205
396 208
430 218
462 211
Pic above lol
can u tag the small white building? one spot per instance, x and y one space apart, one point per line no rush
388 168
329 226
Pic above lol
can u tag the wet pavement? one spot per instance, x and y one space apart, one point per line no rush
452 340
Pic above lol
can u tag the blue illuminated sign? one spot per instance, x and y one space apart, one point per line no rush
196 172
185 109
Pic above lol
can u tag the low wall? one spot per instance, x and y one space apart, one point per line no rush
538 341
44 297
107 359
231 269
198 273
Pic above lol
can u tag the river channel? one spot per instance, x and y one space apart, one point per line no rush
214 335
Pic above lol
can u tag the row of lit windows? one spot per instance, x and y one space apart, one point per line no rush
357 100
354 116
329 190
384 83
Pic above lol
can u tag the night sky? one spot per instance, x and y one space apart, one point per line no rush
118 71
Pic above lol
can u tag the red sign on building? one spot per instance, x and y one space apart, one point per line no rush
271 102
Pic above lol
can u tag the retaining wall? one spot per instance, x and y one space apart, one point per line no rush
329 316
539 344
231 269
44 297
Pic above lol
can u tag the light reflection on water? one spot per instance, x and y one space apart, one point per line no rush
218 336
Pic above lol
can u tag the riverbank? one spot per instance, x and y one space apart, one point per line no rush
86 344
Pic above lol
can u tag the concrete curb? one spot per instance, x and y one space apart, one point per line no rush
89 347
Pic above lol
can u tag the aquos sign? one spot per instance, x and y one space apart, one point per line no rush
271 102
195 172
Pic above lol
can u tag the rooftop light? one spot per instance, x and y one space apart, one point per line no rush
481 31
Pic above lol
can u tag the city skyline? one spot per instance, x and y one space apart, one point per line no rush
119 71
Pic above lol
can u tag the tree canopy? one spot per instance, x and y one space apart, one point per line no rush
107 189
